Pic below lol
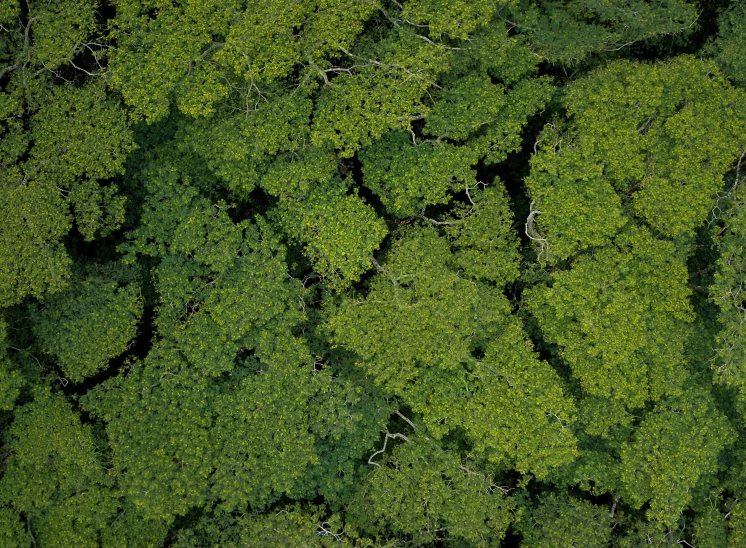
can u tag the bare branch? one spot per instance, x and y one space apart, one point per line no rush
433 221
405 419
426 39
379 268
383 449
531 232
613 507
83 70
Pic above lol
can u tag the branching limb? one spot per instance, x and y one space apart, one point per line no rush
385 442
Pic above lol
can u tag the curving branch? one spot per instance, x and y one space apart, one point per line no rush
532 233
388 437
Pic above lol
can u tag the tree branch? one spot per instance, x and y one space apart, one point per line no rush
405 419
383 449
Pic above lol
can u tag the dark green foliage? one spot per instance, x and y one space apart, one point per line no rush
54 476
423 493
731 40
620 317
372 273
561 520
88 324
727 292
567 32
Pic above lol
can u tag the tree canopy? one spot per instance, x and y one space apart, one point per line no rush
372 273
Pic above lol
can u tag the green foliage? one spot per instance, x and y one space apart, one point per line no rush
731 41
11 380
263 443
456 19
727 292
579 207
567 32
157 421
423 493
31 252
96 127
12 530
675 445
565 521
200 55
238 149
288 527
620 317
711 530
503 136
738 524
155 55
409 176
462 109
483 244
45 35
77 136
339 232
60 29
9 9
384 93
371 273
89 324
416 334
54 475
663 135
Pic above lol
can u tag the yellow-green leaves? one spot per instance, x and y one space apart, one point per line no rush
339 232
574 206
265 247
482 237
425 493
239 148
32 256
674 446
261 45
60 29
54 475
12 531
455 19
88 324
383 92
419 333
80 137
153 58
661 136
77 137
221 284
409 176
727 292
565 521
620 317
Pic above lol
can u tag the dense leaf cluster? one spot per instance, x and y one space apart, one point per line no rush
372 273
